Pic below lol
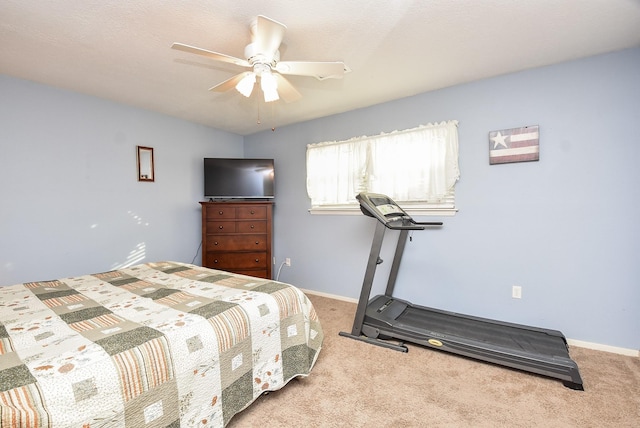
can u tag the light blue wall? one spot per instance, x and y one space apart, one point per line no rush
565 228
70 202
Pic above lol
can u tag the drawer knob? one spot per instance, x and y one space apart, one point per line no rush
220 227
253 212
215 261
220 212
252 226
215 243
257 260
257 242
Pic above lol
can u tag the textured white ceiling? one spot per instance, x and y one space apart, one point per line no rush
120 50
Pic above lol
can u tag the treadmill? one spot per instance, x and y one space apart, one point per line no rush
389 322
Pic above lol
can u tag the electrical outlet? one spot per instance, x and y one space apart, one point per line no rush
274 261
516 292
287 261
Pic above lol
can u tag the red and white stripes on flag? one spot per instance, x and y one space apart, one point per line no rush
514 145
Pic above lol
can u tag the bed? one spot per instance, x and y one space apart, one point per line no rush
163 344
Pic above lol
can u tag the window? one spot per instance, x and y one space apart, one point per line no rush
418 168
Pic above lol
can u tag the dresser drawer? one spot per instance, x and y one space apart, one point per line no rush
221 212
261 273
223 226
236 243
236 260
251 212
251 226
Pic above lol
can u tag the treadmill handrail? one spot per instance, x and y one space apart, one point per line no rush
429 223
413 225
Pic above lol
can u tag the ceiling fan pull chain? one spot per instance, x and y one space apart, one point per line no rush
258 104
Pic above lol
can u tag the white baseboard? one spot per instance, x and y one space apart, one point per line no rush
571 342
330 296
605 348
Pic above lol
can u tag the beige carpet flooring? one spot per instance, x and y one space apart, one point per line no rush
355 384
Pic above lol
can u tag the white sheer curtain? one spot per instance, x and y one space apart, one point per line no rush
414 165
336 172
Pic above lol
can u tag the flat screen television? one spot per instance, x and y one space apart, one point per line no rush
232 178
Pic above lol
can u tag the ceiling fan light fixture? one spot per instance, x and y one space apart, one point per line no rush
269 86
271 95
262 57
245 86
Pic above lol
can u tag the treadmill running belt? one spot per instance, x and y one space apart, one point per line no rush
496 334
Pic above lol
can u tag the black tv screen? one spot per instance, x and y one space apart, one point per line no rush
229 178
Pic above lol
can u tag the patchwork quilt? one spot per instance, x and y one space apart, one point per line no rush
154 345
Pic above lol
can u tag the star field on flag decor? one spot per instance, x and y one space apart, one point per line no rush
514 145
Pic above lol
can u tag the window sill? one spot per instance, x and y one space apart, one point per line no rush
448 212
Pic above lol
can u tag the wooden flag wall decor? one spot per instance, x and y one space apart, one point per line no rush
514 145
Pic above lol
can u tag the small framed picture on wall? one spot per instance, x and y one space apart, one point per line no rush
145 164
514 145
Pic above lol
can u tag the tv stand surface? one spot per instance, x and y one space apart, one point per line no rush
231 199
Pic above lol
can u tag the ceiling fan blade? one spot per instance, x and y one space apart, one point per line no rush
286 90
213 55
268 34
229 83
319 70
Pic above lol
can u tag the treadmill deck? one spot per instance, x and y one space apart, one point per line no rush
532 349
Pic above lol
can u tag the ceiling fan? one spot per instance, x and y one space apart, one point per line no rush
263 58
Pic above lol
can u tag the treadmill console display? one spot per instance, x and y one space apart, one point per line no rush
389 209
389 213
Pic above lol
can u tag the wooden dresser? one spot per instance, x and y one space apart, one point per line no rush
236 237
